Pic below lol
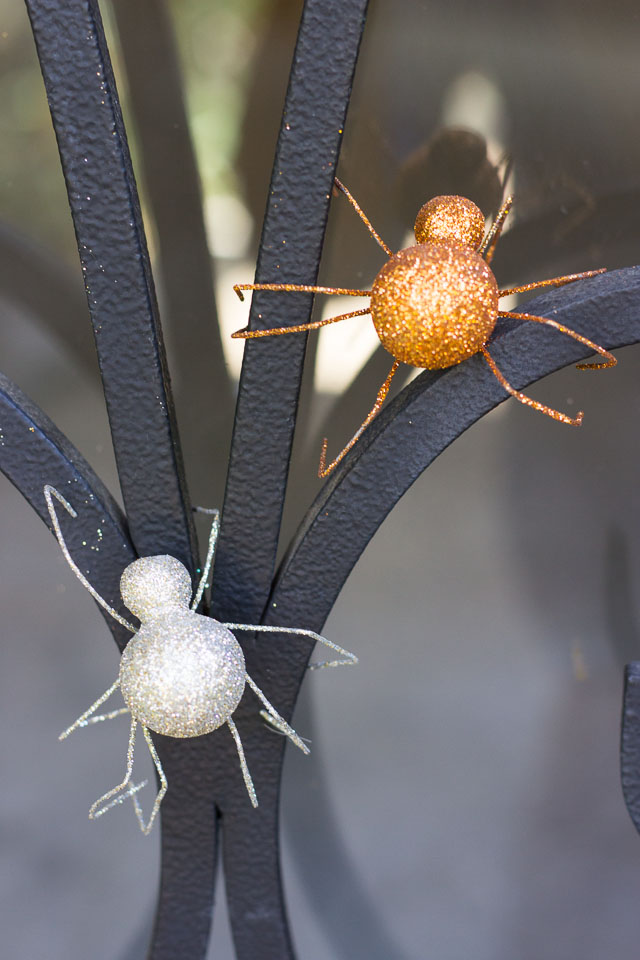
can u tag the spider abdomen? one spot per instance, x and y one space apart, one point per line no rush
434 304
183 674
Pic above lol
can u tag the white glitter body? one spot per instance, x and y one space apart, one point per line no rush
182 675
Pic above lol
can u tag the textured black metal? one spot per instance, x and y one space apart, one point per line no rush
194 339
630 742
306 155
423 420
34 452
206 786
106 213
291 246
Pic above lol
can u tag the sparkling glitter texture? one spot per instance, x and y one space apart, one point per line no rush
183 674
435 304
151 585
450 218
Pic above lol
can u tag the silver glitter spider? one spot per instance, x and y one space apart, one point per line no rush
182 674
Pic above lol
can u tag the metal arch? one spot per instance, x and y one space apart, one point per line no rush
291 245
423 420
34 452
630 742
104 203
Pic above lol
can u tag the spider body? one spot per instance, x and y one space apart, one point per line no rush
182 674
435 304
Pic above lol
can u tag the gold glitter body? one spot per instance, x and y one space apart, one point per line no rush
435 304
450 218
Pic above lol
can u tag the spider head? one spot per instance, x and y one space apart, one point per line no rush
450 218
152 584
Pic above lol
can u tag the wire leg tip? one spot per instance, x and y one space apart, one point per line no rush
322 466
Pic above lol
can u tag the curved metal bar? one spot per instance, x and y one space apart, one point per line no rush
175 197
422 421
630 742
306 155
34 452
403 440
106 213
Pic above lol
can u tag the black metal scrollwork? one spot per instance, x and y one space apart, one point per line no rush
207 792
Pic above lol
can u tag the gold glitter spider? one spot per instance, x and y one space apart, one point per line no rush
182 674
435 304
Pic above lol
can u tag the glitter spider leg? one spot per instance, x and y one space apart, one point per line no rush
323 469
554 282
298 288
365 219
146 827
83 720
276 726
119 794
289 731
609 359
297 328
211 549
528 401
49 493
350 658
488 248
248 782
104 716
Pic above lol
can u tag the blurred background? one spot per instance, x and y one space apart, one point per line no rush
462 797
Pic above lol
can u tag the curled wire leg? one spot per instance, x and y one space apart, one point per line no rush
488 247
297 328
528 401
609 359
49 494
83 720
282 723
248 782
365 219
554 282
119 794
323 469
